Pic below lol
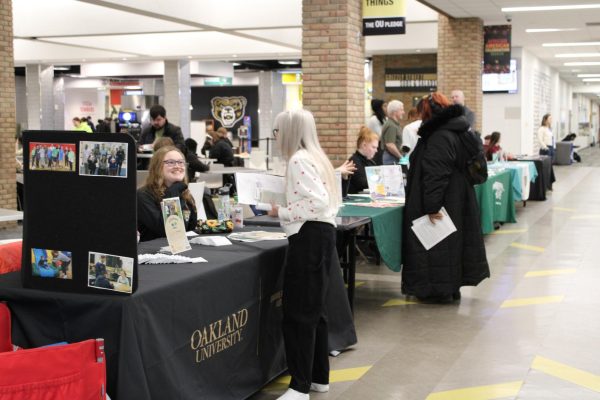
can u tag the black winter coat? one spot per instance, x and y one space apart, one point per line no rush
437 179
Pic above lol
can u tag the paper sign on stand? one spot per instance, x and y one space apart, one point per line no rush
175 225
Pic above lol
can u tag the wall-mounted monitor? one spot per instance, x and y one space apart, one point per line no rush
501 82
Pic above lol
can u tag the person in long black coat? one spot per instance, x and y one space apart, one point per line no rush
436 179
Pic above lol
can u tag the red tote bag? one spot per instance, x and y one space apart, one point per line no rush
69 372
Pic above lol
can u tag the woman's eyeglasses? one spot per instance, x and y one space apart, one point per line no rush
172 163
275 133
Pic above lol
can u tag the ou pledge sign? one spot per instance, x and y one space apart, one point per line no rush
384 17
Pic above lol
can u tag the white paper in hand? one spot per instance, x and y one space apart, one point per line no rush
430 234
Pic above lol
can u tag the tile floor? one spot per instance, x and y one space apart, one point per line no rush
531 332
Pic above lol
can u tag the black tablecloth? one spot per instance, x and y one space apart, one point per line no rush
545 178
191 331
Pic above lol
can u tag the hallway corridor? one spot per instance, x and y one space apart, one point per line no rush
529 333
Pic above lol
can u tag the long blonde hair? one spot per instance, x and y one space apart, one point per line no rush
155 181
298 130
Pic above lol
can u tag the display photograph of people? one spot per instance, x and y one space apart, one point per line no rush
103 159
110 272
51 263
52 157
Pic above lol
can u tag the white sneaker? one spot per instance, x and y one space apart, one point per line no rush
292 394
319 387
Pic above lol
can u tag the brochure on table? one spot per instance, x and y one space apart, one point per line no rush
79 226
385 183
260 190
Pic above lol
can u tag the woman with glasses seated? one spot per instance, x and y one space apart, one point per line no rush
166 179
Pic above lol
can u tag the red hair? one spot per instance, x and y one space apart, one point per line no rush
432 104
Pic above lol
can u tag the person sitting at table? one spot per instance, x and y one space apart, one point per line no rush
366 148
308 218
161 127
193 162
222 150
166 178
493 148
103 282
208 143
123 280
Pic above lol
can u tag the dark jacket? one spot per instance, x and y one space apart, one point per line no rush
150 219
436 179
222 151
173 131
357 182
194 165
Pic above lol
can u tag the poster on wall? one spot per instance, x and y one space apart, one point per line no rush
496 49
227 106
384 17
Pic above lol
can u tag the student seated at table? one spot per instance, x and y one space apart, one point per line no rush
222 150
166 178
193 162
494 151
366 148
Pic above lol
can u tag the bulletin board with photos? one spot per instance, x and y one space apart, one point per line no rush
79 226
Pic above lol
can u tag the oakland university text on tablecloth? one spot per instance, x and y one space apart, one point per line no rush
219 335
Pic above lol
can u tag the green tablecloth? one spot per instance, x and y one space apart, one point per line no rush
387 228
496 201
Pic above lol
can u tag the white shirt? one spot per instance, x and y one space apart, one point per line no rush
409 135
374 125
545 137
306 194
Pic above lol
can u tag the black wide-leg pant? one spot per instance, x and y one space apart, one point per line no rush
305 285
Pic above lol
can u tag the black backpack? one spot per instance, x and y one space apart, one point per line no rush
476 163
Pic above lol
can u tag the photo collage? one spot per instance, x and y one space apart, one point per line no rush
95 158
110 272
105 271
52 157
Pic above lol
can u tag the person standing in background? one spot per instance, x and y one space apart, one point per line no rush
375 124
458 97
545 137
391 133
437 179
409 133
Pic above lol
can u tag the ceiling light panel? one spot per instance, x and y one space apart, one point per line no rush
545 30
551 8
577 55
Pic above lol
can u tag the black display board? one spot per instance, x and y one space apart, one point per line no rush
227 106
80 212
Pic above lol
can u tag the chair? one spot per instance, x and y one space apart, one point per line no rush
563 153
197 190
70 371
141 177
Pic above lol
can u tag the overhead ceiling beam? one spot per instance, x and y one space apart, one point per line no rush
124 54
181 21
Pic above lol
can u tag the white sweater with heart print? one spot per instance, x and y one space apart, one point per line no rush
306 193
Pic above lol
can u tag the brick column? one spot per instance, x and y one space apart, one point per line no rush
460 53
40 96
8 192
333 72
178 94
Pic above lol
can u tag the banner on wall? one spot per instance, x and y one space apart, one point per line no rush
226 106
496 49
384 17
411 79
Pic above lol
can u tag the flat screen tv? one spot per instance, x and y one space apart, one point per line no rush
502 82
127 117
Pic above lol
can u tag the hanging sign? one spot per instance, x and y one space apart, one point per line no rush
384 17
496 49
